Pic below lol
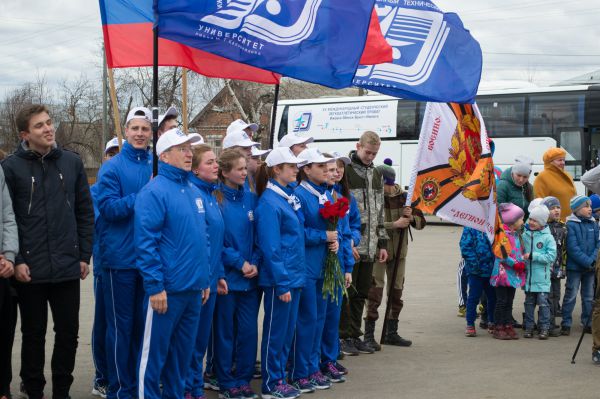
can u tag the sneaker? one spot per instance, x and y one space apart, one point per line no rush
555 332
528 334
500 333
510 331
211 382
484 325
564 330
281 391
596 357
341 369
319 381
362 347
99 390
303 385
232 393
332 373
491 328
257 371
347 347
462 311
543 334
247 392
470 331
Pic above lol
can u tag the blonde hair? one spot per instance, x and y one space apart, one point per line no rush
369 138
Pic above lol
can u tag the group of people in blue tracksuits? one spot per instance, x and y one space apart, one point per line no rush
183 260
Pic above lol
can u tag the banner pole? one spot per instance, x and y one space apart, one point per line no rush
184 94
274 116
115 106
155 99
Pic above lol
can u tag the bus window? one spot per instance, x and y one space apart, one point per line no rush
283 124
547 113
503 115
406 120
570 140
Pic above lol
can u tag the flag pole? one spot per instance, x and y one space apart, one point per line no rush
115 106
184 94
155 97
274 116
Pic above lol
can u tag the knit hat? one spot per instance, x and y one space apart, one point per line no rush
540 214
554 153
535 202
389 174
522 165
551 202
595 199
510 213
578 202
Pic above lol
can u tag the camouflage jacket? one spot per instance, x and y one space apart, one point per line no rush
366 183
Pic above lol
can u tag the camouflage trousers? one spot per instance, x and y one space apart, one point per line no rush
381 273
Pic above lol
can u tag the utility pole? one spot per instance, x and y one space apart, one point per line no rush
104 101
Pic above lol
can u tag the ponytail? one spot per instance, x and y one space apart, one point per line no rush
262 178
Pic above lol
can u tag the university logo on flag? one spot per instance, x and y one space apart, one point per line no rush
319 41
434 57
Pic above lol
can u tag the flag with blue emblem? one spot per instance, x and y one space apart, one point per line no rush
434 57
319 41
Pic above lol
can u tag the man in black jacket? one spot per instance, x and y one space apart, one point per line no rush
55 219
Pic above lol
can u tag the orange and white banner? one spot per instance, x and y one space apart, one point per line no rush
453 175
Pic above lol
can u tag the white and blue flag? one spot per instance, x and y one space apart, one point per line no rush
319 41
434 57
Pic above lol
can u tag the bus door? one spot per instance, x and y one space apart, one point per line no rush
572 140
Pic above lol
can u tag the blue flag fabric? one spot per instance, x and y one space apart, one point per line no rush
317 41
434 57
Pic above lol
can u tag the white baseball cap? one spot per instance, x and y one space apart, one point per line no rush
172 111
280 156
200 141
257 152
172 138
112 143
239 124
239 138
291 139
313 155
346 160
139 113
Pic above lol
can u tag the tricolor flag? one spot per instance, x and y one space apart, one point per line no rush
453 176
128 38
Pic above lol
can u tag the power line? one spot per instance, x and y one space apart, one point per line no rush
542 54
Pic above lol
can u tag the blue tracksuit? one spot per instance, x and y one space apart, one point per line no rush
172 248
331 334
216 229
311 315
99 327
119 182
280 238
237 312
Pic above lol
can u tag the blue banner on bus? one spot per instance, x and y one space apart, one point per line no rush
434 57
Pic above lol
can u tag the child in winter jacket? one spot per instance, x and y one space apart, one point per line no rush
508 273
559 271
582 249
540 249
479 259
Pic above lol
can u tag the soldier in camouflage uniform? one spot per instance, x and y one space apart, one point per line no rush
366 184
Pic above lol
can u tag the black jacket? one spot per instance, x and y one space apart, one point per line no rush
54 212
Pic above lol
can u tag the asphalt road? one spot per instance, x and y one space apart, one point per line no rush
442 362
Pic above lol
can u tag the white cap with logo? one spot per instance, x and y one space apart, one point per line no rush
172 138
313 155
200 138
346 160
239 124
139 113
280 156
172 111
112 143
257 152
291 139
239 138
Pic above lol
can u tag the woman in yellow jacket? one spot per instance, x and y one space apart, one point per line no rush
555 181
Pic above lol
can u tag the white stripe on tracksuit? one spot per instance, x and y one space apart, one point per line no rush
145 349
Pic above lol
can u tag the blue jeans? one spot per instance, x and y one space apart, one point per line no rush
575 279
477 285
541 299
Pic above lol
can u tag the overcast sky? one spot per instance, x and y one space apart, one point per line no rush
540 41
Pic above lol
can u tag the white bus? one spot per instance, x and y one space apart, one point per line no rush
521 122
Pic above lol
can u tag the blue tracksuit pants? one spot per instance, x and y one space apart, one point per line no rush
279 325
194 382
99 334
168 337
123 299
330 342
236 321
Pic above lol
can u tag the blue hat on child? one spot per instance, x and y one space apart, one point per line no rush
595 199
578 202
551 202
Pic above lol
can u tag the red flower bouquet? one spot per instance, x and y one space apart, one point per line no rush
333 278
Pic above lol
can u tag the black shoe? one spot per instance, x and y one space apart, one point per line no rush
483 324
564 330
588 330
363 347
543 334
348 348
555 332
370 335
396 340
528 334
596 357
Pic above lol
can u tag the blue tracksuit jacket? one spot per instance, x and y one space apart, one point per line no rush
98 233
582 243
215 229
280 238
119 182
170 234
239 245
